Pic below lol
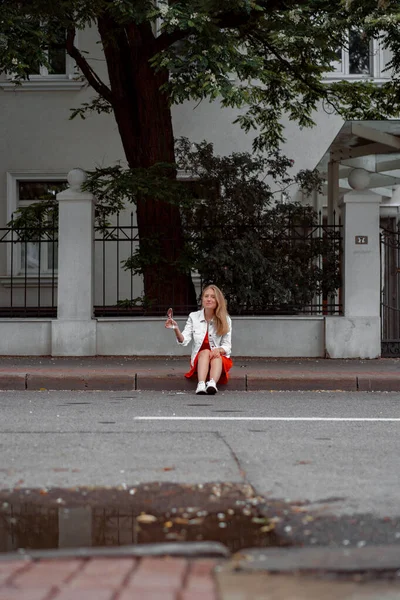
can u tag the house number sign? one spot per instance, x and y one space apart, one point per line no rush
361 240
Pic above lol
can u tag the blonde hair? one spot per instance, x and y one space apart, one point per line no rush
221 312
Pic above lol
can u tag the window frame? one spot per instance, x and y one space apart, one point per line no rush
43 81
377 66
45 75
13 179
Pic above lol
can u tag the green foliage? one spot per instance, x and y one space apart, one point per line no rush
114 186
149 253
32 221
263 254
36 221
141 302
98 105
266 58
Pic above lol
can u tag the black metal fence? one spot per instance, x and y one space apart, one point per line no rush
390 290
316 248
115 288
29 259
28 280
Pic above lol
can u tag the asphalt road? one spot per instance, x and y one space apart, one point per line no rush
326 463
109 438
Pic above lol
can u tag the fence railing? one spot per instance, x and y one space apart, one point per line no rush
390 290
313 251
29 257
28 267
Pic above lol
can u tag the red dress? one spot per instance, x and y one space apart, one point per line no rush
226 363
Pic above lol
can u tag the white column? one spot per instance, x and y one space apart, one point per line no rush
74 331
357 334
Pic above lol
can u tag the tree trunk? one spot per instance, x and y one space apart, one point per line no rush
143 116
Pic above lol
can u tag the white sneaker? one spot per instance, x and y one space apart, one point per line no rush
201 388
211 387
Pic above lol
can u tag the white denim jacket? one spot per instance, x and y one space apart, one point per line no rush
196 329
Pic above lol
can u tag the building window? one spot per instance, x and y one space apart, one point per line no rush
24 189
39 256
60 73
361 58
57 58
36 190
59 63
360 54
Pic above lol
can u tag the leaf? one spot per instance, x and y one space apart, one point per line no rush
267 528
181 521
196 521
144 518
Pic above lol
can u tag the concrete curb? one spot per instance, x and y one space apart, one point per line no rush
90 381
13 381
273 560
378 383
186 549
309 382
112 379
339 560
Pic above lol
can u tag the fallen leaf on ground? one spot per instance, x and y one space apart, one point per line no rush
146 518
267 528
196 521
181 521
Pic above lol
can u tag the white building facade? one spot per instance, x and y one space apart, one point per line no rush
40 145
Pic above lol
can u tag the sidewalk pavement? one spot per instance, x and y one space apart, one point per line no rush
108 579
167 373
180 578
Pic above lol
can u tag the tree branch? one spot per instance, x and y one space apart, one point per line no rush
233 20
165 40
92 77
325 97
290 67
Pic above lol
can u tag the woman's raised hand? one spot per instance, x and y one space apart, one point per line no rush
170 323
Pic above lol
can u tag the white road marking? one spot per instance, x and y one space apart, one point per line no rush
333 419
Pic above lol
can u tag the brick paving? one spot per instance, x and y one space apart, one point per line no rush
109 579
169 578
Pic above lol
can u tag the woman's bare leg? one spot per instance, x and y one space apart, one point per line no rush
203 364
216 369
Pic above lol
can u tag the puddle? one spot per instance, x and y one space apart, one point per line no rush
33 519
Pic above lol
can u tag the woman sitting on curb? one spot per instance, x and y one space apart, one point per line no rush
210 330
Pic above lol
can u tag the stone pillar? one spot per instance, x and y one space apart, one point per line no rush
358 333
74 331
